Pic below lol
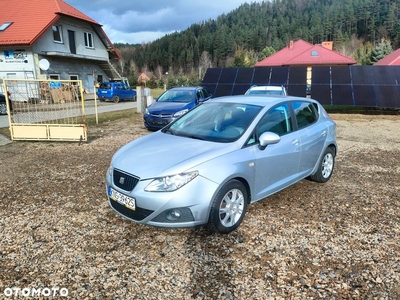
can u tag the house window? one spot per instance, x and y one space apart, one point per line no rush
88 40
5 25
57 33
314 53
54 76
74 77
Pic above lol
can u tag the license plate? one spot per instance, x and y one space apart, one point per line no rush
104 92
129 202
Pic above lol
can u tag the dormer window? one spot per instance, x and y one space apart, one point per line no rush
57 33
5 25
314 53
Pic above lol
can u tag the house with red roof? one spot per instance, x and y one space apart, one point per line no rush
392 59
42 39
302 53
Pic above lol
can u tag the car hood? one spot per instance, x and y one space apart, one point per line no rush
160 154
158 108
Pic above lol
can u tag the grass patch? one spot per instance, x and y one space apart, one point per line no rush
110 116
155 93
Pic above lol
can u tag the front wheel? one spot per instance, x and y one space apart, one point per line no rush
325 168
228 207
116 99
3 109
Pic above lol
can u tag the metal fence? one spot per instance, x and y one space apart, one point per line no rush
46 109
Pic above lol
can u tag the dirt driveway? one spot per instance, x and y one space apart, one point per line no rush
340 240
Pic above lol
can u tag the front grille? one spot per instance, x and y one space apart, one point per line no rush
124 180
158 122
138 214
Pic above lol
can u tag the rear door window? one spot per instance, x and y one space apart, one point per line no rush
305 113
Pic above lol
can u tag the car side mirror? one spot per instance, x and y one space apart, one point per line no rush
268 138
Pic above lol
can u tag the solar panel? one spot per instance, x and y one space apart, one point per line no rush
321 93
340 75
298 90
223 90
361 74
383 75
364 95
279 76
369 86
261 76
245 75
212 75
298 75
240 89
342 94
321 75
387 96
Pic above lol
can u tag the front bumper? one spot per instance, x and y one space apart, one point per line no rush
191 202
155 123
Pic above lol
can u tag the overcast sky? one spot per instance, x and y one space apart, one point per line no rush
141 21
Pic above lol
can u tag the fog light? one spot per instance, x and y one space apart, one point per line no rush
173 215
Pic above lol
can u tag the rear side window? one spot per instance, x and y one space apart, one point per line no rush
305 113
105 86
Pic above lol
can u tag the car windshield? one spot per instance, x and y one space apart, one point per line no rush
177 95
213 121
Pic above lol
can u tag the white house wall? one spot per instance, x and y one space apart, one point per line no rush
47 44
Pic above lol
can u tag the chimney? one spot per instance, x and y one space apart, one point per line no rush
327 45
291 45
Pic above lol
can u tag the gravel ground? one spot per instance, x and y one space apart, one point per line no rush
339 240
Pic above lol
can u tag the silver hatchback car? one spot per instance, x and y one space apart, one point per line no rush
207 166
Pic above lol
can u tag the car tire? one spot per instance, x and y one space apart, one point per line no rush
134 99
116 99
3 109
325 168
228 207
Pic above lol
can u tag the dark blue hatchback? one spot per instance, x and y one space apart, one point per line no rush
172 104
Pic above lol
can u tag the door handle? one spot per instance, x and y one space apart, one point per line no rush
295 142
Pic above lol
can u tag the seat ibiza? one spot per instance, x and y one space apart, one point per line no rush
206 167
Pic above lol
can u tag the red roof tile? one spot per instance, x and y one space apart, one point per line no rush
303 53
31 18
393 59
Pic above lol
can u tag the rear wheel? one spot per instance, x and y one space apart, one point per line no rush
228 207
325 168
116 99
3 109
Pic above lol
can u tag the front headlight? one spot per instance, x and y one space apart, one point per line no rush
146 112
180 113
110 170
170 183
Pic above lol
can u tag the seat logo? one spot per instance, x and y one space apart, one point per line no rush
122 180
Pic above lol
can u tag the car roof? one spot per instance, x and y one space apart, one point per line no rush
267 87
260 100
182 88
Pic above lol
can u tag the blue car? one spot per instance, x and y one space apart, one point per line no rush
115 91
172 104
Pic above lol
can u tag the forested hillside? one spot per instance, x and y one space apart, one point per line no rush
363 29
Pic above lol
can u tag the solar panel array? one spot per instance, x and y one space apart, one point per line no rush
370 86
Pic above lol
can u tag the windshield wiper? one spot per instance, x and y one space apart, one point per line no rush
168 130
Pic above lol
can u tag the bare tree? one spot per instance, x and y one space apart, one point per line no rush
204 63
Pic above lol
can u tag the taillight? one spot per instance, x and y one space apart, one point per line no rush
8 93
